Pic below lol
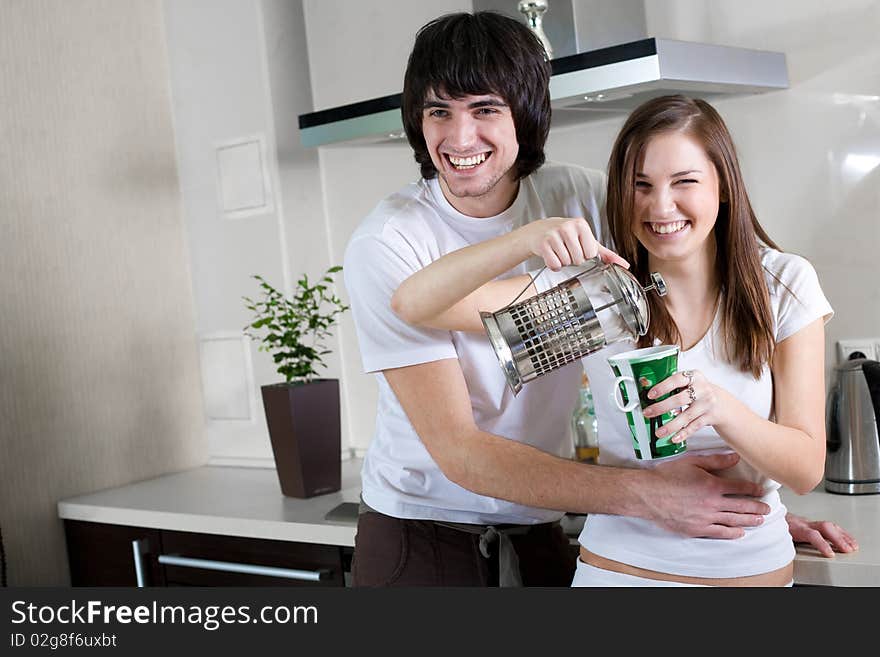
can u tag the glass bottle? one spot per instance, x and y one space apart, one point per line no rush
585 427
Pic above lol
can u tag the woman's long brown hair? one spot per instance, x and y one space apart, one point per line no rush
746 319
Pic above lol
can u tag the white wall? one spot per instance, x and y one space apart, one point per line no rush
219 89
239 71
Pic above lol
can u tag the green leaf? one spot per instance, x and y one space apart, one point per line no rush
292 329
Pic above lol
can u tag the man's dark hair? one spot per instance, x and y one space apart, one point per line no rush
485 52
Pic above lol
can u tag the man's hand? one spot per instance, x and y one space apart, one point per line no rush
562 242
823 535
688 499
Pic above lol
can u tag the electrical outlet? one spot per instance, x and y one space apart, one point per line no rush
865 346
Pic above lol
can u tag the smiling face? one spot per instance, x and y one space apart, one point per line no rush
472 143
676 197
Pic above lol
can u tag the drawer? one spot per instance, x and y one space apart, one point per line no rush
191 559
105 555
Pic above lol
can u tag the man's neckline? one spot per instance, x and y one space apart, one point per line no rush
454 213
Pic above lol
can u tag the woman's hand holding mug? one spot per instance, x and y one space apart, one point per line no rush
697 396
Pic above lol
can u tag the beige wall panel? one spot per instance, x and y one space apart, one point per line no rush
99 380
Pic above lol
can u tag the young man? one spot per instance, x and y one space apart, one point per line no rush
463 484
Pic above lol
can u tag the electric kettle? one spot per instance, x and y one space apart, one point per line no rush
852 458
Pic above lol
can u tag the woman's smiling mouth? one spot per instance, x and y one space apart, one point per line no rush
667 227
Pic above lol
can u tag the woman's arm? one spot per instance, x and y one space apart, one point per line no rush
790 450
451 291
795 450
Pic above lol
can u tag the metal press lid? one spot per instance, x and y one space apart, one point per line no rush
634 310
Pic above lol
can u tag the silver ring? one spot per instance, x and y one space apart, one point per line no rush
689 375
693 395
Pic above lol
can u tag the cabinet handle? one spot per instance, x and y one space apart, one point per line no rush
140 547
232 567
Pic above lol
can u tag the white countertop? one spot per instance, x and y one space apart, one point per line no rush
234 501
229 501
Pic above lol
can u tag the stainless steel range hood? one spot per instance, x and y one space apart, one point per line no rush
587 86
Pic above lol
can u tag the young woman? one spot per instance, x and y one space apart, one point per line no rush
748 318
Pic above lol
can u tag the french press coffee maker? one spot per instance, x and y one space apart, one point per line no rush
601 305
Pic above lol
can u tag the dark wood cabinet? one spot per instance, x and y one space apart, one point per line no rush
113 555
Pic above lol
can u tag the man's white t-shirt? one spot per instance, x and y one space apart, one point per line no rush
796 300
403 234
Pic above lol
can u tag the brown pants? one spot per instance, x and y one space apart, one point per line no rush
395 552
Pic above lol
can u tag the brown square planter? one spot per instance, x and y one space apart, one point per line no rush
304 428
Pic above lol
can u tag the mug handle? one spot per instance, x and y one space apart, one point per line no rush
618 401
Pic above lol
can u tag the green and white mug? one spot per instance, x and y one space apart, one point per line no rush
636 373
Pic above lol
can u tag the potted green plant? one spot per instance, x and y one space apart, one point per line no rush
302 413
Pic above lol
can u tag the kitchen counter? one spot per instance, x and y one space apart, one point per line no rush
232 501
228 501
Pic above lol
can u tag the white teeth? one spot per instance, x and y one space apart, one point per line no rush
468 162
666 228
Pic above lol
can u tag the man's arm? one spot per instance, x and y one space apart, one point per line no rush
682 496
449 292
